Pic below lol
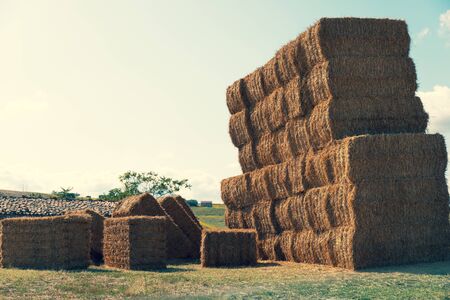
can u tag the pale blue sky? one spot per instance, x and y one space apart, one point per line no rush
90 89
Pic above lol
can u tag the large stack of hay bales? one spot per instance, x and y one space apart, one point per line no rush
135 243
47 242
336 166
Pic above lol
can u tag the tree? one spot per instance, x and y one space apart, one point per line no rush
65 193
134 183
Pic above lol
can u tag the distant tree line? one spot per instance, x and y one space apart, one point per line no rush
133 183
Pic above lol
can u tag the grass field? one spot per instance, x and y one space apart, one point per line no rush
211 216
188 280
267 280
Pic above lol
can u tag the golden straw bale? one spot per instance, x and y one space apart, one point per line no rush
328 39
181 218
138 205
96 233
247 158
345 81
61 242
372 216
236 100
239 128
394 156
235 191
259 184
352 77
263 217
135 243
182 202
254 87
228 248
271 75
330 121
239 218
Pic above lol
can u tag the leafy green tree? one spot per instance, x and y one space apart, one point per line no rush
134 183
65 193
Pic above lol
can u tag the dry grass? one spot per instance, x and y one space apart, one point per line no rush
284 280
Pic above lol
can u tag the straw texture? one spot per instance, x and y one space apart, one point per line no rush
61 242
184 221
178 244
392 156
135 243
327 39
96 233
386 85
182 202
337 168
228 248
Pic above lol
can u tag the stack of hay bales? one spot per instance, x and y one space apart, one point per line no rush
178 244
228 248
46 243
184 220
135 243
337 168
96 233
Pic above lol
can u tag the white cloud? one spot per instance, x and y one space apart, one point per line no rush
444 26
437 103
444 21
423 33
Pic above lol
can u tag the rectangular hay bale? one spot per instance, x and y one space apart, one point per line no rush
228 248
333 120
135 243
61 242
391 157
372 82
181 218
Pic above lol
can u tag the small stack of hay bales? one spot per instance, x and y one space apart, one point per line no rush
96 233
337 168
46 243
135 243
181 217
228 248
178 244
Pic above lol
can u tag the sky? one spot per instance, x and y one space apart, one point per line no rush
91 89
